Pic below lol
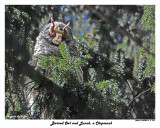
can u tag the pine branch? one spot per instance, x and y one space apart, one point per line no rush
61 93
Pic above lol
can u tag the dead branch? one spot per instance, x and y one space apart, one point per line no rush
139 95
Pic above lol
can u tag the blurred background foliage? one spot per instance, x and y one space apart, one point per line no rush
117 56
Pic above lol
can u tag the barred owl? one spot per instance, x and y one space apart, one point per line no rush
47 45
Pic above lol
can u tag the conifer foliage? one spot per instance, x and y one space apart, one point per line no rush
116 58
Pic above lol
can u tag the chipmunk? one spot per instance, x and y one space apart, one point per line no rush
59 30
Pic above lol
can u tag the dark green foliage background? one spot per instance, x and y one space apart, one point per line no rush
117 58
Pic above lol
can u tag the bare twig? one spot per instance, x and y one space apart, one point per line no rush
130 86
139 95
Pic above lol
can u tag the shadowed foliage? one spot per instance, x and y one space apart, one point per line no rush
107 71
